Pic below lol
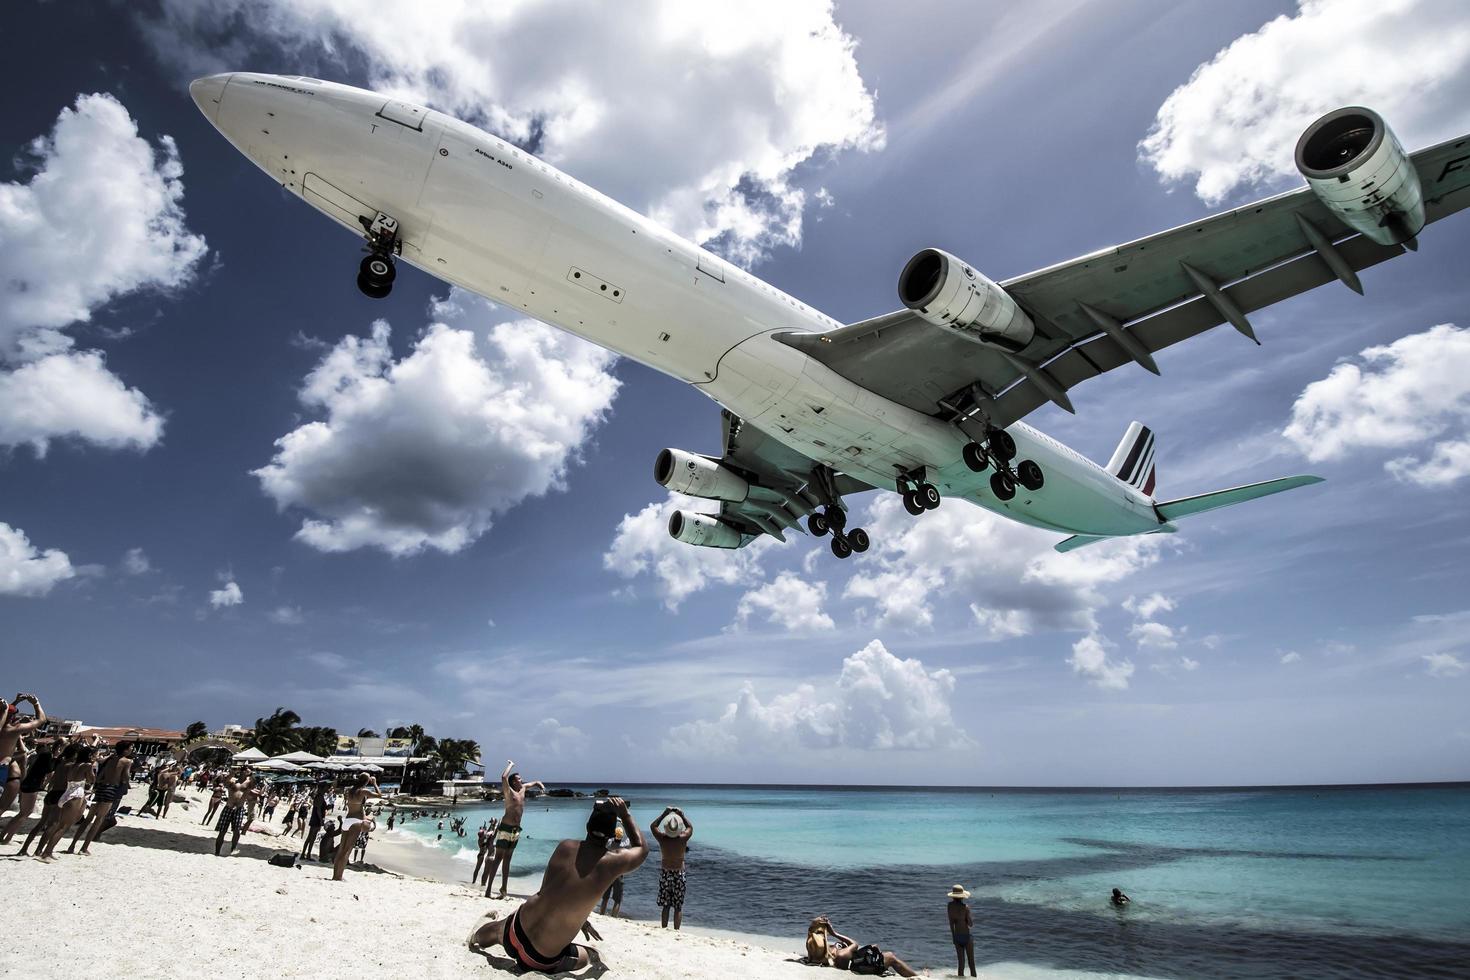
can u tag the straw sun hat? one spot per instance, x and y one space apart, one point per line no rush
958 891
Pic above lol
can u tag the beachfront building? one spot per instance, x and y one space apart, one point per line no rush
152 742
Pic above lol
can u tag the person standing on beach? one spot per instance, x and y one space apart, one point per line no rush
76 776
111 783
961 929
579 871
216 797
356 821
12 726
318 817
38 769
485 837
508 834
672 830
615 890
232 815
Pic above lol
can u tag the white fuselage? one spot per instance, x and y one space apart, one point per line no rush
477 212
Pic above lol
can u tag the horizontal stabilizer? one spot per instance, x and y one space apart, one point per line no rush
1171 510
1079 541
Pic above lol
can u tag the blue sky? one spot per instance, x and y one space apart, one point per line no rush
150 574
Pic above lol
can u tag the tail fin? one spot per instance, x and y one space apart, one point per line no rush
1133 460
1171 510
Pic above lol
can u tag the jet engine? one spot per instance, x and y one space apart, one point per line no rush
698 477
948 293
704 530
1355 166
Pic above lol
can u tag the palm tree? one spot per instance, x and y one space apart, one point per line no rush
196 729
415 736
319 740
366 733
452 755
277 734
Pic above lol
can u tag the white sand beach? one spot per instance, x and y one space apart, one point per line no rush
152 899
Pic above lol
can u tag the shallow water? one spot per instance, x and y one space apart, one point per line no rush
1354 881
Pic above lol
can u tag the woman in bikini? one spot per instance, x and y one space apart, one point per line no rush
364 789
76 776
34 771
825 946
54 786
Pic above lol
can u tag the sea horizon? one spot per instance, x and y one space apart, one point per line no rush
958 788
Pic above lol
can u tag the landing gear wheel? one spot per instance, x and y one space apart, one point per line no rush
857 539
371 289
836 518
1002 485
1028 474
928 496
841 548
1002 446
912 504
817 524
378 269
975 457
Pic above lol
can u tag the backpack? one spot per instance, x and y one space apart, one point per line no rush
868 960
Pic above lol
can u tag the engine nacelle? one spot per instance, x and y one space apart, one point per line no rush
698 477
948 293
703 530
1355 166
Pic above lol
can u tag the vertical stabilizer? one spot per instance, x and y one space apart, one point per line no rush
1133 460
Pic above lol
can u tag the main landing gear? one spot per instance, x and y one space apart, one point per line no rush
918 494
999 450
376 273
845 542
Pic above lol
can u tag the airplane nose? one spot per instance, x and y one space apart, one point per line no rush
207 93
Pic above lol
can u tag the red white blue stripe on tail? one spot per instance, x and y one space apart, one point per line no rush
1133 460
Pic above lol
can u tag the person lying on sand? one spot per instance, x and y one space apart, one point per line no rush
576 876
825 946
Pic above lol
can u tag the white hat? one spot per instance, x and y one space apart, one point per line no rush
674 825
958 891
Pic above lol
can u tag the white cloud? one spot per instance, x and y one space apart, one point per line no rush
697 115
1149 606
1155 635
642 546
1188 663
1017 582
26 570
100 217
135 562
424 451
286 616
329 661
551 737
228 595
877 702
789 602
1414 392
1090 659
1291 657
1444 665
1236 121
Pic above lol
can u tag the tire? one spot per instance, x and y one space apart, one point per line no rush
911 503
373 290
378 269
975 457
817 524
858 538
1002 446
929 496
836 518
1002 486
841 548
1029 474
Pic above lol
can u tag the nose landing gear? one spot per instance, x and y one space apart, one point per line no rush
999 450
376 273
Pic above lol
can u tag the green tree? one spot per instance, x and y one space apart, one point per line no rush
319 740
366 733
277 734
451 756
196 729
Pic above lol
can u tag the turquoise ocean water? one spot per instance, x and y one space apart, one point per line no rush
1339 881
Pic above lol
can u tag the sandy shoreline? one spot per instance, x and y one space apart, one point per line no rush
153 899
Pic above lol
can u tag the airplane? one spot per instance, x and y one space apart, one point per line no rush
926 401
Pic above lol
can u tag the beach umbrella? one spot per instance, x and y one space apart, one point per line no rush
299 758
249 755
278 765
370 767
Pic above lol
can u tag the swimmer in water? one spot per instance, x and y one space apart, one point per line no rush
1119 899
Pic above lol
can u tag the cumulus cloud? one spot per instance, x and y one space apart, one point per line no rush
135 562
1236 121
1090 659
551 737
286 616
793 604
26 570
1291 657
1444 665
876 702
100 217
642 546
1149 606
1017 583
1159 636
227 595
1413 393
424 451
710 109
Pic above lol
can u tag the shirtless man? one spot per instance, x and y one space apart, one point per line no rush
673 844
111 784
576 876
509 831
166 783
12 726
356 822
238 787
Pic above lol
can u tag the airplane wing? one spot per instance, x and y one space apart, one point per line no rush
1157 288
784 485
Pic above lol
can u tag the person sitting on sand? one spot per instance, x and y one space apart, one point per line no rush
1119 899
12 726
509 832
672 830
112 783
577 874
825 946
237 787
356 822
961 928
